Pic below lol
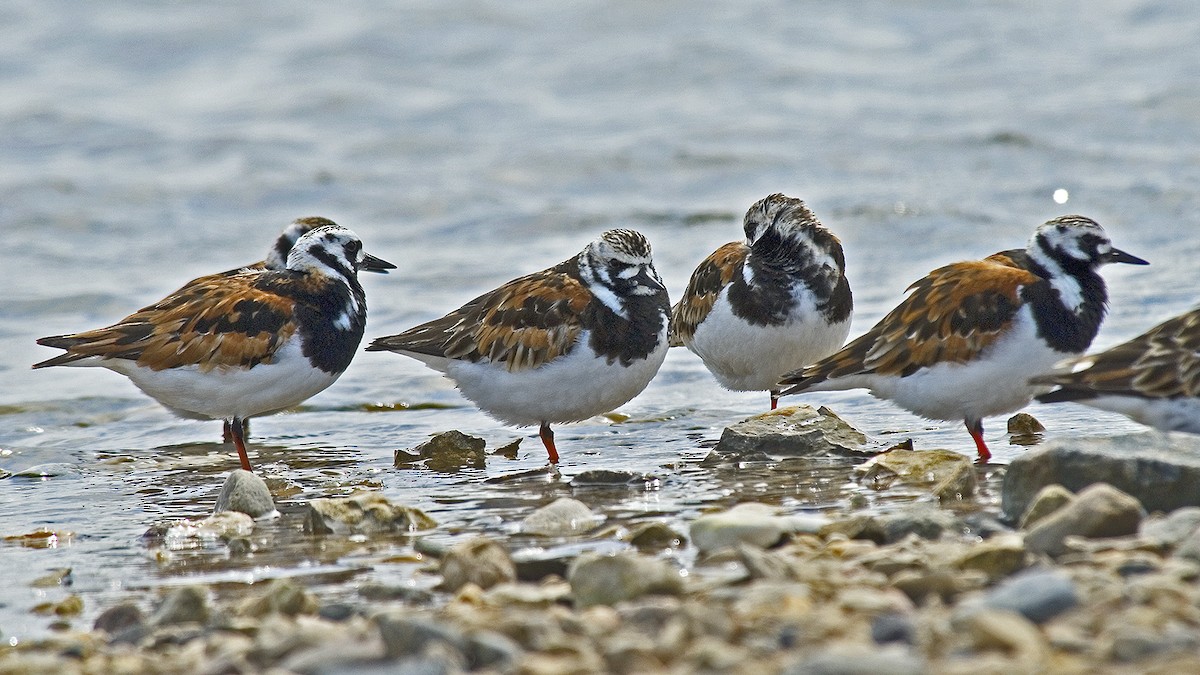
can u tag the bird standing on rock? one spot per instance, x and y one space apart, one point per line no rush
968 337
753 311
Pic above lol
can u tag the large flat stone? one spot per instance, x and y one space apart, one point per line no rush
799 431
1161 471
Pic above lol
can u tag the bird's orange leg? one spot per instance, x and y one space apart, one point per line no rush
547 437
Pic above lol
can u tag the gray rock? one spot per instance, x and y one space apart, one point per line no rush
405 635
480 561
562 517
1047 500
893 627
611 477
1172 529
1162 472
535 564
997 557
799 431
655 536
750 523
1100 510
894 660
365 512
924 520
488 650
119 618
281 596
1189 548
1038 595
609 579
451 451
182 605
246 493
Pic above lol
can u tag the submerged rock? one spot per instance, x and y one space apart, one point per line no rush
365 512
480 561
947 474
560 518
1099 511
1160 471
281 596
246 493
750 523
799 431
609 579
650 537
188 604
448 451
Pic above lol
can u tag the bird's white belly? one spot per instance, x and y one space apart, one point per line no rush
224 393
570 388
743 357
995 383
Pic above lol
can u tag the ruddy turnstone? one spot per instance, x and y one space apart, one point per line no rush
780 301
1153 378
560 345
243 343
966 340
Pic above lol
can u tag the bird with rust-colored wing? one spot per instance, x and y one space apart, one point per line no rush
966 340
242 343
560 345
1154 378
780 301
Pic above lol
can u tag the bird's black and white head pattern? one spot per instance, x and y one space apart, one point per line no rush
277 256
629 312
617 267
789 247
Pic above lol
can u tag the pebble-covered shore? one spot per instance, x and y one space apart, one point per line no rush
1091 565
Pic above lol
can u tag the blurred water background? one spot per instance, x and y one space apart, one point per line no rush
145 143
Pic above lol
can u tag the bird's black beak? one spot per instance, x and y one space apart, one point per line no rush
372 264
1118 256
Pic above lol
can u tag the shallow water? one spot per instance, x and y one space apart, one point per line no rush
469 143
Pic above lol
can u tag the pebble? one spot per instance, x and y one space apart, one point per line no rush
282 596
1172 529
655 536
797 431
119 618
363 512
859 661
609 579
560 518
1047 500
1038 595
182 605
750 523
246 493
1100 510
997 557
480 561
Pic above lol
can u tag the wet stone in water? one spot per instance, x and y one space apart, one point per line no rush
651 537
562 517
451 451
364 512
750 523
799 431
246 493
609 579
182 605
480 561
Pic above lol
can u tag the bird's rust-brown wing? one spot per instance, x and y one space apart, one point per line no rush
712 274
949 316
523 324
221 320
1163 362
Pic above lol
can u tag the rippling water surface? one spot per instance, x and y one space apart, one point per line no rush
144 144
